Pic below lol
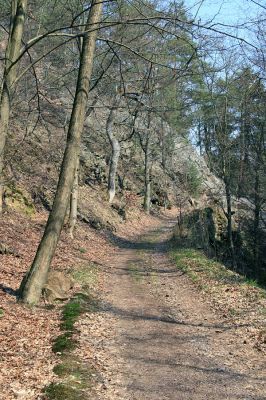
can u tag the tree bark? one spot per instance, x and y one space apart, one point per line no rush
147 197
73 213
229 222
18 15
114 156
34 281
257 211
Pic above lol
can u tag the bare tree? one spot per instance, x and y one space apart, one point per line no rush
18 15
33 282
115 144
73 213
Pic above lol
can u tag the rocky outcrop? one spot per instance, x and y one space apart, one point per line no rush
204 229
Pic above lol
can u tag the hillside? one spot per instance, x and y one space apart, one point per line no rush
132 201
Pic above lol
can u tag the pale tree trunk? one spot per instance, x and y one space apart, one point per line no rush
113 169
73 213
18 11
115 154
146 147
147 197
73 206
34 281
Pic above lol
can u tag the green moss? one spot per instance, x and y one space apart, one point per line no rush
71 312
80 303
1 312
63 343
61 391
76 377
73 371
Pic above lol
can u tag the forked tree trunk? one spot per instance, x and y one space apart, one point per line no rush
114 156
73 213
18 14
34 281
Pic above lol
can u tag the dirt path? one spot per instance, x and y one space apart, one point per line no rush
161 340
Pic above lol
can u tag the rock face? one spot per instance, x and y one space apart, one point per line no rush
57 286
212 187
205 229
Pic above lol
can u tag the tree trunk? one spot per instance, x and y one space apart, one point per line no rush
147 197
229 223
163 146
73 214
18 13
257 211
34 281
114 156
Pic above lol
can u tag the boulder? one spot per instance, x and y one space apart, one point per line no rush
57 287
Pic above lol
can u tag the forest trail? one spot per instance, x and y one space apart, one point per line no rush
161 338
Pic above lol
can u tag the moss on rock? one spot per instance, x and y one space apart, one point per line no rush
18 199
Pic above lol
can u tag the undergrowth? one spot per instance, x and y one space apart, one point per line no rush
213 277
195 263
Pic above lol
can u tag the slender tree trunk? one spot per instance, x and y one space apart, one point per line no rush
34 281
73 213
113 169
259 149
163 145
18 14
242 157
114 156
243 138
4 123
229 222
73 206
207 145
147 197
200 138
257 211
